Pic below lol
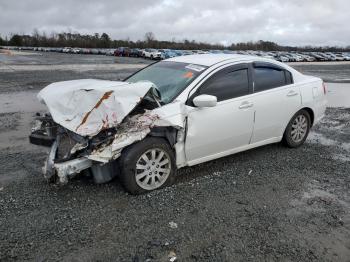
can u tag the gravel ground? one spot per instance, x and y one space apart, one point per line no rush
9 121
266 204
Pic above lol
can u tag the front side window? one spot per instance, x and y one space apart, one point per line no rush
267 78
170 78
227 84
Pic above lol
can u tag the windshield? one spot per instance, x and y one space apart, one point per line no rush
170 78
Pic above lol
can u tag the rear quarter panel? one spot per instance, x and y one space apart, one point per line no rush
313 96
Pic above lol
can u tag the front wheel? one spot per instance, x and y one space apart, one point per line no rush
147 165
297 129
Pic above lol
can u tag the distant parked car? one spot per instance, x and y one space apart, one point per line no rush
223 51
308 58
167 53
57 49
178 52
318 57
75 51
135 52
282 58
85 51
122 51
339 57
152 53
187 52
95 51
346 56
110 52
102 51
65 50
330 56
215 51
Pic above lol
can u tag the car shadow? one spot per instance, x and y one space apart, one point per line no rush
238 162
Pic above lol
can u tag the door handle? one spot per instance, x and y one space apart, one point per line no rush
245 105
292 93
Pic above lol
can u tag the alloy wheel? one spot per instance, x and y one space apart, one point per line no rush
152 169
299 128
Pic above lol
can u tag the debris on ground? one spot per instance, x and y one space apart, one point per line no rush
172 224
172 256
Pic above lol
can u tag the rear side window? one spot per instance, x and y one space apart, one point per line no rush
227 84
267 78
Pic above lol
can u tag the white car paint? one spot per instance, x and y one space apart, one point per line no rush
204 133
213 131
267 118
273 109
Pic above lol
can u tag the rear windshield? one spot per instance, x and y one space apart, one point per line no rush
170 78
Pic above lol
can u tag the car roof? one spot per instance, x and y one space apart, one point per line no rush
211 59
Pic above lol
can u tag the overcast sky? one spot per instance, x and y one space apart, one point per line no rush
292 22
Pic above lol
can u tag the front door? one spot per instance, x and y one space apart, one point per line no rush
215 131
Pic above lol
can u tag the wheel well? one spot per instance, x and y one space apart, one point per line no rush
311 113
168 132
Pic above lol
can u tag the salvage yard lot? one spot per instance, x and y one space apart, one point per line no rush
270 203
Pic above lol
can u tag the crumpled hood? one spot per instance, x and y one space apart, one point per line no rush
87 106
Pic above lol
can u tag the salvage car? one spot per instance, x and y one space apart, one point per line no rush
174 113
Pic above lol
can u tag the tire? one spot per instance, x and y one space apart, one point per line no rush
133 164
297 130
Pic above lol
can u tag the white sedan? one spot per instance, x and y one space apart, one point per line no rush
193 109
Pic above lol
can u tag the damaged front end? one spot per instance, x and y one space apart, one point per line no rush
68 155
90 125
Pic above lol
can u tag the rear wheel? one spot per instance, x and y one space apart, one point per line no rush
147 165
297 129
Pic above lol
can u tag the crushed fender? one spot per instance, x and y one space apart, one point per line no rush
94 120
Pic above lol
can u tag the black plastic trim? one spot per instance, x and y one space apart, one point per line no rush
41 140
167 132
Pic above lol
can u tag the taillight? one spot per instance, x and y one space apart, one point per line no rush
324 88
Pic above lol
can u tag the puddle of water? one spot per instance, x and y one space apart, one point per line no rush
25 101
317 138
338 94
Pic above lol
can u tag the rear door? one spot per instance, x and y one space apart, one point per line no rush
214 131
276 100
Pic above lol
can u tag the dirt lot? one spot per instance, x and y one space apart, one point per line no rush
270 203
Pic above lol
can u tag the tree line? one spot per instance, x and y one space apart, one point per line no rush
103 40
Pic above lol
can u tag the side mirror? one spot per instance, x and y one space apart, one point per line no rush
205 101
